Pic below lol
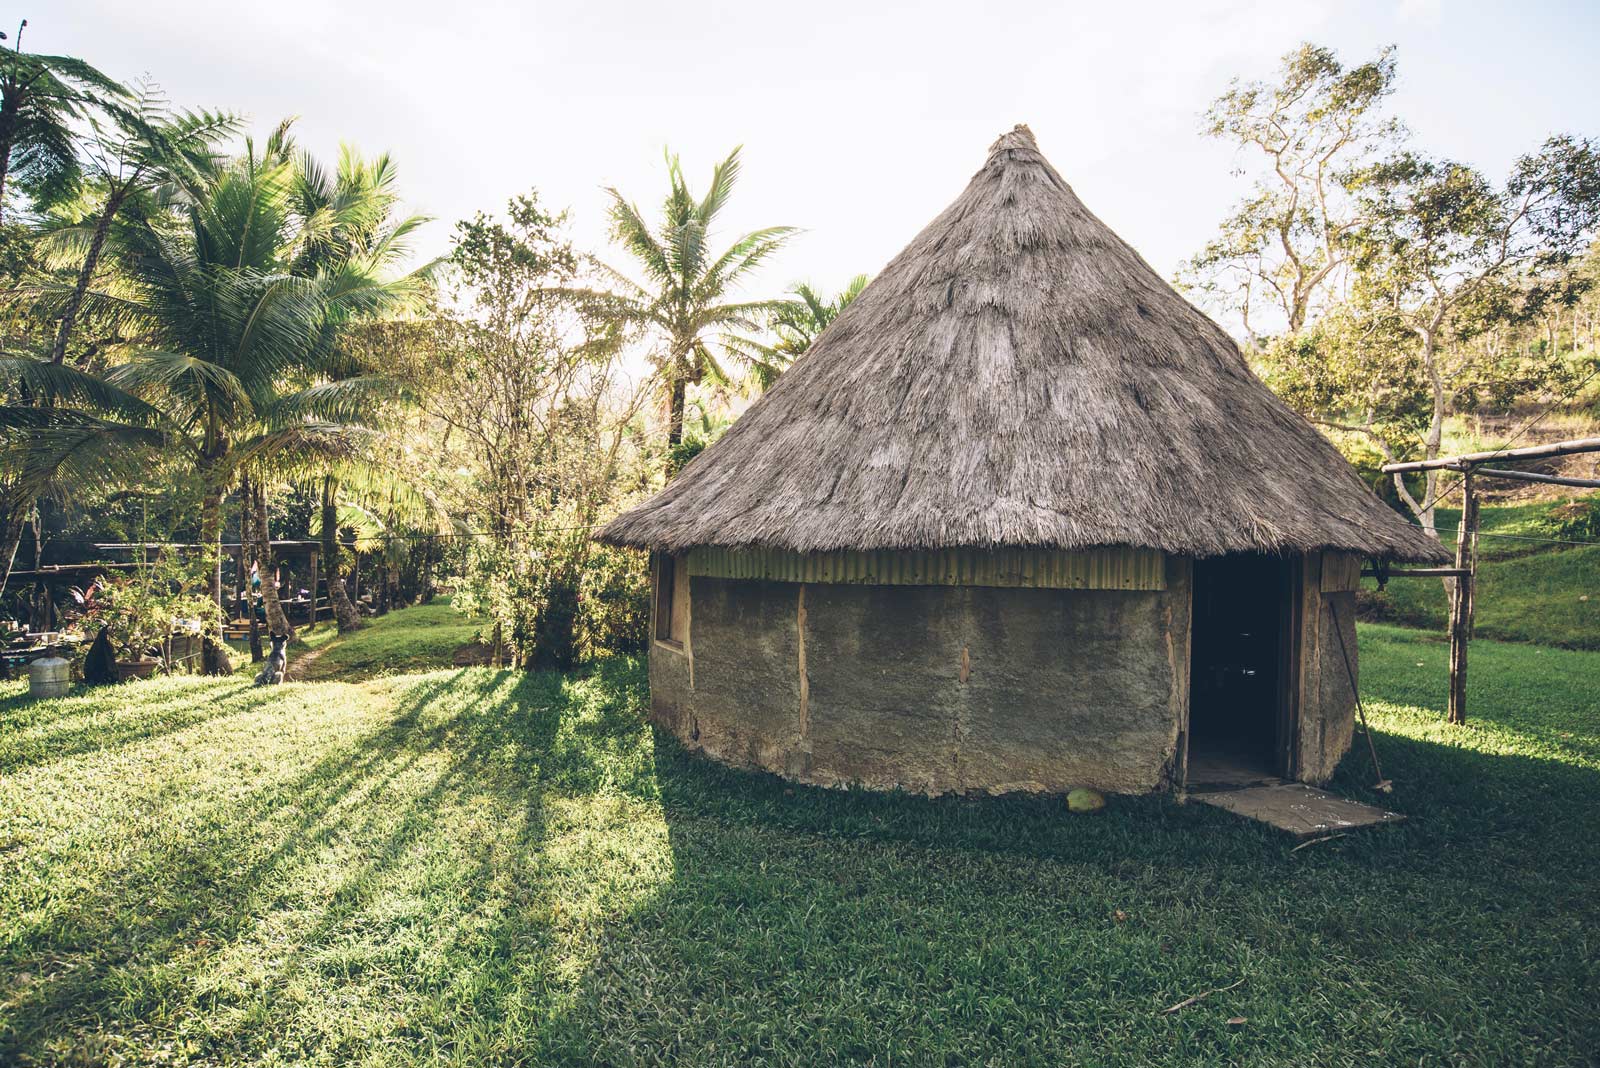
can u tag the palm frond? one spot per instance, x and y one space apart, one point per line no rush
357 400
629 230
723 178
54 385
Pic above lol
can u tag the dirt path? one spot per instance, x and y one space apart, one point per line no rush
299 665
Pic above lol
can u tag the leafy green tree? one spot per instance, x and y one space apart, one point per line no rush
533 415
41 97
686 304
1310 130
1444 261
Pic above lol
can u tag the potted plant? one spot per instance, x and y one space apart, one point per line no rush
144 607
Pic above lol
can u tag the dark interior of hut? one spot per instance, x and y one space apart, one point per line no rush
1240 610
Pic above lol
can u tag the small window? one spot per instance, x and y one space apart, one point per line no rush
672 599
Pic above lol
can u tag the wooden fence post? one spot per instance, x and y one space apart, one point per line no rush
1461 599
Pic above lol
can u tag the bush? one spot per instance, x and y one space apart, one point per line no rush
1577 520
144 607
551 600
615 603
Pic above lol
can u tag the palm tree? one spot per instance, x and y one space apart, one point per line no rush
63 428
686 302
801 321
139 147
229 335
40 99
350 218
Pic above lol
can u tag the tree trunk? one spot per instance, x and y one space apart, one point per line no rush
10 538
277 620
42 600
1461 598
344 611
675 403
9 110
69 314
247 556
213 654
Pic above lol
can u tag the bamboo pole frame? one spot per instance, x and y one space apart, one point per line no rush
1464 575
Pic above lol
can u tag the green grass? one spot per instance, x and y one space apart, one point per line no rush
465 866
1528 589
1505 530
1552 598
409 640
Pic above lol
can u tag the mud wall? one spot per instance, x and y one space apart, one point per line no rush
933 689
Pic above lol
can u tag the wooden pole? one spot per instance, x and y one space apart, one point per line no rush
1534 476
1461 600
1467 460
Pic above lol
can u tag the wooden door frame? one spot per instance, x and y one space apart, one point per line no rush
1291 633
1291 651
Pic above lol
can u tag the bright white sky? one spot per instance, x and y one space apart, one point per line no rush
860 120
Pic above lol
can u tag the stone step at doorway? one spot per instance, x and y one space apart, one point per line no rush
1295 808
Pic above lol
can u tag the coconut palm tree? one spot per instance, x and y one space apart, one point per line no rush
41 97
350 217
139 147
799 323
232 341
687 301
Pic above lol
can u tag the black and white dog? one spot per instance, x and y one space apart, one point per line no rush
277 663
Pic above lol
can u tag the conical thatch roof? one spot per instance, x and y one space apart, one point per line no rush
1019 376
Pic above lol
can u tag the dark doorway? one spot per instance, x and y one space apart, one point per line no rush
1238 726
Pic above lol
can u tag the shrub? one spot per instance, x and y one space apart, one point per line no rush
144 607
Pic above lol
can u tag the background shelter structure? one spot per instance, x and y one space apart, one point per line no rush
1021 518
1463 576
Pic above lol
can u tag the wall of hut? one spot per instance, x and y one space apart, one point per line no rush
955 688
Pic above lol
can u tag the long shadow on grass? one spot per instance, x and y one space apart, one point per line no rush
30 741
800 925
812 926
172 906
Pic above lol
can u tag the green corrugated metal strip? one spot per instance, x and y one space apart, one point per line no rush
1091 569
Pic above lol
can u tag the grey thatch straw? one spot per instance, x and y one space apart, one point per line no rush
1019 376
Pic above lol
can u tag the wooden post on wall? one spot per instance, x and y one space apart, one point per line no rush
1461 599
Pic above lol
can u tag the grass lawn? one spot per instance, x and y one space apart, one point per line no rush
410 640
468 866
1505 529
1527 591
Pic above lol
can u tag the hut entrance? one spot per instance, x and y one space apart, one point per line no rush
1239 722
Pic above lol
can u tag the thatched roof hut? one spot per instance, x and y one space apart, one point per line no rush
1020 408
1019 376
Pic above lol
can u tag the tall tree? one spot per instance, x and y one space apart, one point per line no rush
40 99
229 335
1444 260
686 304
530 401
350 217
1310 129
135 148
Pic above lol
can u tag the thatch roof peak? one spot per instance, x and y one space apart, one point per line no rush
1019 376
1019 136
